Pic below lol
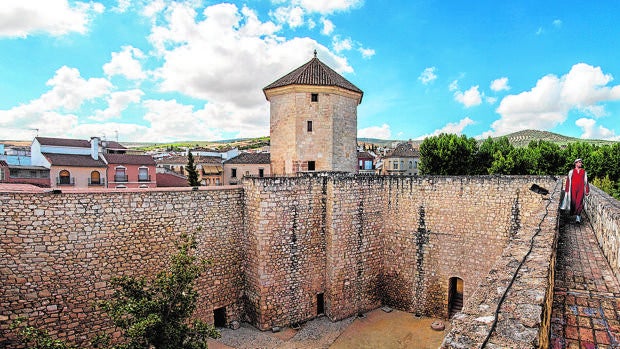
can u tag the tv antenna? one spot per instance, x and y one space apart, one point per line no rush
35 129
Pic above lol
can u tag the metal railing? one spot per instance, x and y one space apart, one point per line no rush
65 181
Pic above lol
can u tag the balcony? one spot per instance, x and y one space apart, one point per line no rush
120 178
144 178
96 183
68 181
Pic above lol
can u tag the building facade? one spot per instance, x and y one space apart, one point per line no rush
245 165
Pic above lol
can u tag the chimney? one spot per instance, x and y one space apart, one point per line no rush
94 147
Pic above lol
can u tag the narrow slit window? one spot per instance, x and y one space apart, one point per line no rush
314 97
309 126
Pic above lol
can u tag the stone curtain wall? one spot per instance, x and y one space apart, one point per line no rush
354 226
59 252
604 214
285 249
281 244
377 240
523 319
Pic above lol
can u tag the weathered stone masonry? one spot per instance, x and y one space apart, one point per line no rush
59 251
279 245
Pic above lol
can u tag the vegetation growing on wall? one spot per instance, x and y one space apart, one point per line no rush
150 313
449 154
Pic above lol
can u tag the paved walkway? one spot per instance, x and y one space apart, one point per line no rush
586 303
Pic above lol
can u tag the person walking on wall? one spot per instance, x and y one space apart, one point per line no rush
576 188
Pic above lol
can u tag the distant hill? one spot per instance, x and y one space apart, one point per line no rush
517 139
523 138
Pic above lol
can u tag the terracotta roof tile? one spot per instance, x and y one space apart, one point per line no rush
73 160
182 160
404 150
314 73
113 145
171 180
63 142
126 159
250 158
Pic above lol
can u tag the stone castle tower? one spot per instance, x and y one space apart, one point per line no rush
313 120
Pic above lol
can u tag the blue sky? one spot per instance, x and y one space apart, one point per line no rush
162 70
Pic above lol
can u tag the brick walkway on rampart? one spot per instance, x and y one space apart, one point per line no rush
586 304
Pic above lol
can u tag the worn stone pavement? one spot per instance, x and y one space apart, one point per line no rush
586 303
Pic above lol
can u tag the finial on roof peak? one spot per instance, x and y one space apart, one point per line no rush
314 53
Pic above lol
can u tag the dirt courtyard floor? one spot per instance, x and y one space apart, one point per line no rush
377 329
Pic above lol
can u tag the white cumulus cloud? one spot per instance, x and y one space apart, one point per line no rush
500 84
451 128
547 104
428 75
328 26
469 98
126 63
592 131
56 17
379 132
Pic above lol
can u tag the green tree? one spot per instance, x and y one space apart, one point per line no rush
35 338
545 157
448 154
491 151
192 174
152 314
157 314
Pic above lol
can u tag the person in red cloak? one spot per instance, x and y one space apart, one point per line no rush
576 188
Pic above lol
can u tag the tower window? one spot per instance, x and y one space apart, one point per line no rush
309 126
314 97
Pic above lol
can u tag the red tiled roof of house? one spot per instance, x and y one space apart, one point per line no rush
125 159
364 155
113 145
171 180
28 188
314 73
63 142
3 163
404 150
73 160
182 160
250 158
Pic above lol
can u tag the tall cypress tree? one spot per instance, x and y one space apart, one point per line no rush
192 175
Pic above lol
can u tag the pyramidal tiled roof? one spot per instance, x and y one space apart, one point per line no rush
315 73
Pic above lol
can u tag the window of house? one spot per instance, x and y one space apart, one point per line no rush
314 97
120 175
402 165
143 174
415 164
410 165
261 172
95 177
233 173
395 165
247 173
311 166
64 177
309 126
